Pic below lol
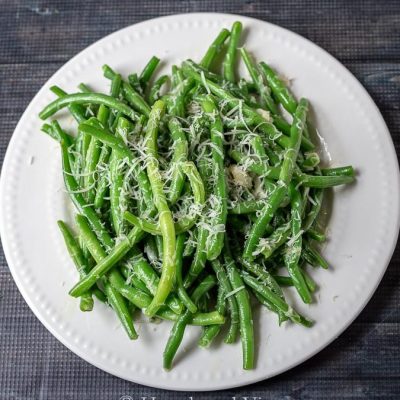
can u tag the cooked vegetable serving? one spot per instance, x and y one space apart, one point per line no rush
197 194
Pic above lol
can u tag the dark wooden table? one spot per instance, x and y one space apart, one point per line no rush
38 37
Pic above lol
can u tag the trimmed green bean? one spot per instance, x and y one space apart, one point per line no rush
148 71
214 49
86 302
165 216
230 57
178 329
225 284
293 251
245 313
180 155
263 90
183 295
85 98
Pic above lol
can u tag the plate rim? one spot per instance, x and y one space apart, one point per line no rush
69 344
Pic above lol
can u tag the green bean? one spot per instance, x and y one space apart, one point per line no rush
180 155
118 199
116 143
198 319
339 171
245 314
277 238
211 331
85 98
199 259
86 302
49 131
133 80
148 71
99 295
215 241
175 339
150 249
311 160
293 251
190 246
214 49
315 256
279 89
55 131
312 286
230 57
176 107
315 235
260 152
90 166
323 182
178 329
225 284
296 131
84 88
165 216
186 300
247 207
90 109
117 302
314 210
115 91
159 244
263 90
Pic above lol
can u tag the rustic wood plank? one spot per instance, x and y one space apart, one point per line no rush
37 31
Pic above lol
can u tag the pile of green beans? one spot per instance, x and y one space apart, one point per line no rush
197 194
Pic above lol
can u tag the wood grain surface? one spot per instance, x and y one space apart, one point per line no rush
38 37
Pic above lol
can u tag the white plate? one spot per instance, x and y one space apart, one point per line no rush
363 228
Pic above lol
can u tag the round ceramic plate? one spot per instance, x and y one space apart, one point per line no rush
363 226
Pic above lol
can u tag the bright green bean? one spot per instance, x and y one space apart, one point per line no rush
245 313
214 49
85 98
215 241
86 302
293 251
165 216
225 284
230 57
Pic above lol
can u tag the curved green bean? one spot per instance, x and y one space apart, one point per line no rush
85 98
